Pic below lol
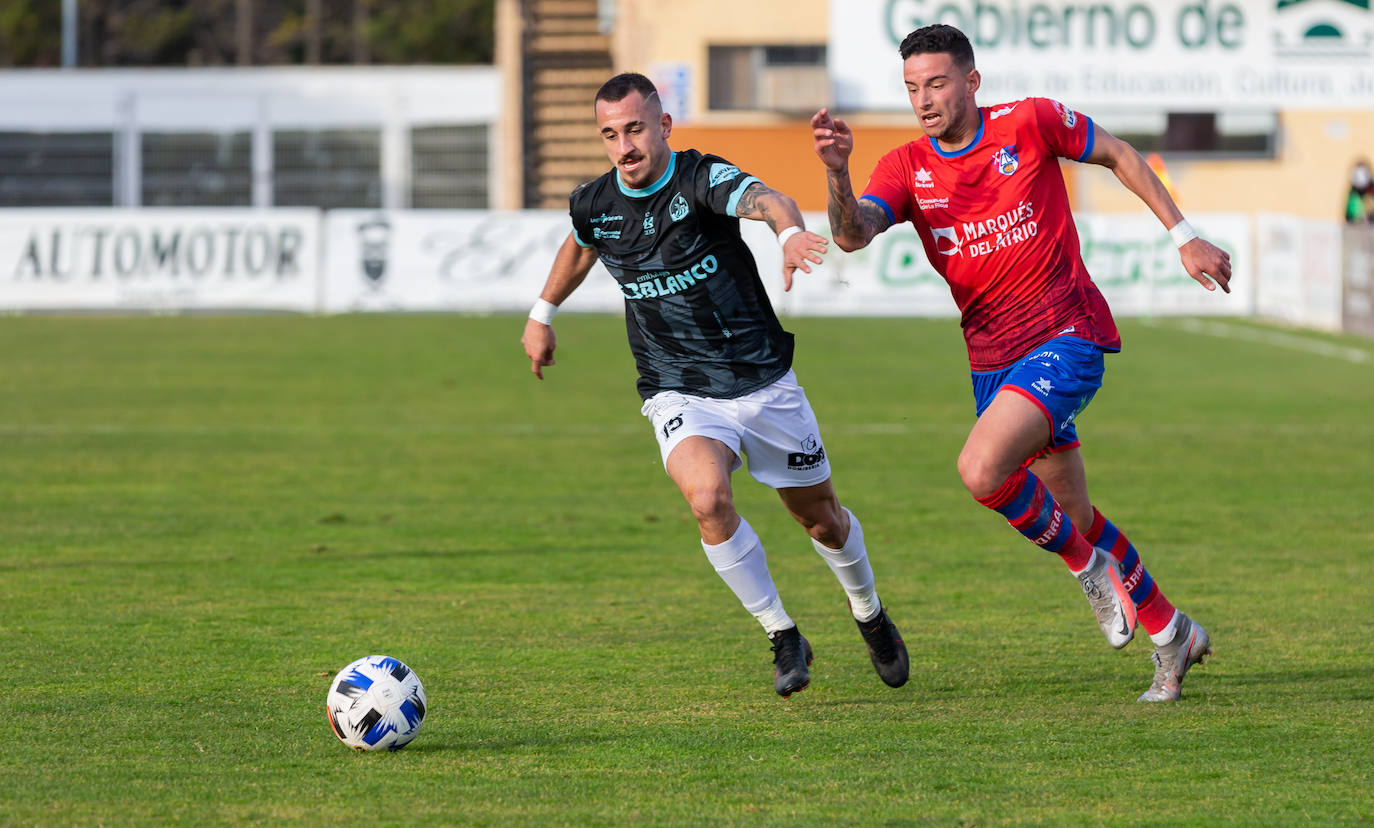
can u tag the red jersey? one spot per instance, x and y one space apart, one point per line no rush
994 219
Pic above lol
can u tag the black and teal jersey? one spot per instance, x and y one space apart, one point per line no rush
696 312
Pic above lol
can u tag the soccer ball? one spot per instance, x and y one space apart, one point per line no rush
374 703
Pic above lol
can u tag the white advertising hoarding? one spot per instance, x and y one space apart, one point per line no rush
1136 265
1179 55
449 260
1299 262
493 262
159 259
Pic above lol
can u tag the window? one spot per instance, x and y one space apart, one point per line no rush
327 168
1235 134
782 78
191 169
449 167
56 169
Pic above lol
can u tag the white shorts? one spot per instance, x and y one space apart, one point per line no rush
773 427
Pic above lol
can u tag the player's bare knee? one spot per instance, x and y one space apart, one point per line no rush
980 476
829 527
829 533
711 504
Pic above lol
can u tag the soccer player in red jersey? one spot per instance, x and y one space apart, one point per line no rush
984 191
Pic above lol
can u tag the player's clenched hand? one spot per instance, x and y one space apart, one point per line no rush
834 142
800 250
1202 259
539 343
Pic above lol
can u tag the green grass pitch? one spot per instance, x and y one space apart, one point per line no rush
203 519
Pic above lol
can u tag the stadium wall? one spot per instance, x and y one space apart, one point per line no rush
478 261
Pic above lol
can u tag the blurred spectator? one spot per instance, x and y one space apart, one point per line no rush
1359 204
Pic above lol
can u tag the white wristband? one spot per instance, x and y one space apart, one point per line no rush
543 312
787 233
1182 233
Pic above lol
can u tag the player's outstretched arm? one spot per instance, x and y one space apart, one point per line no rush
1208 264
570 267
853 223
800 247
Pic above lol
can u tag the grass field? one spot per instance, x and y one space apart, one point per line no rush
204 518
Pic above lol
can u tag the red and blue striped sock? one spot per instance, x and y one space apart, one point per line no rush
1153 610
1031 510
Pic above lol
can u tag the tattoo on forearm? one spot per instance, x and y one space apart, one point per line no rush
749 205
838 196
849 216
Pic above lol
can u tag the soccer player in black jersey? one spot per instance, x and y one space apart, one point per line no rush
715 365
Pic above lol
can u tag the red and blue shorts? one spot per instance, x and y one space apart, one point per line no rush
1060 377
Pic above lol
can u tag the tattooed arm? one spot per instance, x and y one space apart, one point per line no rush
853 223
762 203
799 249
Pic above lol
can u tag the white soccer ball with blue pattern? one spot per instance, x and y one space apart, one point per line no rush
376 703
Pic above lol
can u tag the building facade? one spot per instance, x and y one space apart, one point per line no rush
1260 107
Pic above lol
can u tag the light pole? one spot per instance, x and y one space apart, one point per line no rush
68 34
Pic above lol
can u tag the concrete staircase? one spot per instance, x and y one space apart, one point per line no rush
565 59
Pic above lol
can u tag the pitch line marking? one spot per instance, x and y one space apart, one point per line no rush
1279 339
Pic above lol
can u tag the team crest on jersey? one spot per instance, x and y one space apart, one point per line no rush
1067 115
677 210
723 172
1005 160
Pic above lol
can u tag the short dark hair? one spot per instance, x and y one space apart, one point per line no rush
623 84
936 39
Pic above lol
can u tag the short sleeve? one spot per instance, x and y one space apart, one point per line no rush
578 212
1067 133
720 184
888 186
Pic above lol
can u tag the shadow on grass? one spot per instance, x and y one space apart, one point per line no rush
1343 684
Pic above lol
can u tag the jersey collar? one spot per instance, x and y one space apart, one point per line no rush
654 187
977 136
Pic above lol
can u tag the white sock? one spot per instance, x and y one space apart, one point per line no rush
742 564
773 617
852 570
1167 634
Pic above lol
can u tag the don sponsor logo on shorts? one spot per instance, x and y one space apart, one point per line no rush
811 456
